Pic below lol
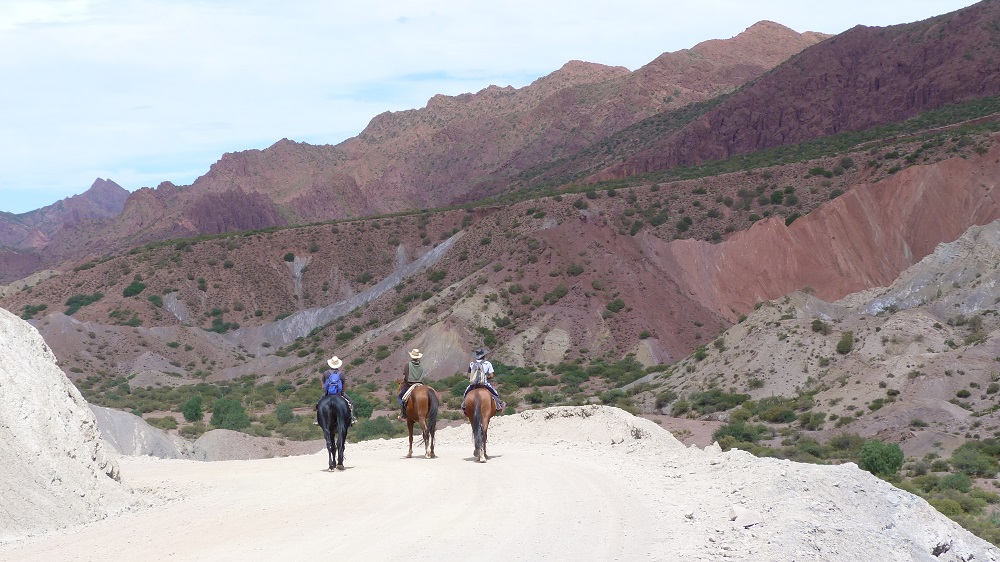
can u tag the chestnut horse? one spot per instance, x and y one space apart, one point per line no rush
334 416
479 407
422 407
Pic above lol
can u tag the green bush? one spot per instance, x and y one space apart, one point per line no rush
165 423
881 459
192 409
975 459
664 398
363 407
778 414
134 289
820 327
715 400
846 343
374 428
80 300
957 481
284 413
615 305
229 414
741 432
290 256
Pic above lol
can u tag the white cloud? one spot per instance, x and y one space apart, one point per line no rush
143 91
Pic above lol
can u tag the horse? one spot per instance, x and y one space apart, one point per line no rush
479 407
334 415
422 406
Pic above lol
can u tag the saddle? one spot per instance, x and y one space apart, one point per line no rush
406 395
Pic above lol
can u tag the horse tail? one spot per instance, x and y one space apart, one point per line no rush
432 411
477 422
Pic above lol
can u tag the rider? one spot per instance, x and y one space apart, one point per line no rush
482 365
331 379
413 373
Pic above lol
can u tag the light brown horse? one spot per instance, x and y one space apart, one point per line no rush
422 407
479 407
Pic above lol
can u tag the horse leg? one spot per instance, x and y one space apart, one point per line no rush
486 431
409 425
341 438
430 434
426 436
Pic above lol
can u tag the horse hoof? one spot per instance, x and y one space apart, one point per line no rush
340 467
409 455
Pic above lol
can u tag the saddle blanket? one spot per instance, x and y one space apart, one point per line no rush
406 395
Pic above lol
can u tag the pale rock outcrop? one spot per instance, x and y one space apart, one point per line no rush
56 469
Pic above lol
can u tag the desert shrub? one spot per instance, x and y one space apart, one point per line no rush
80 300
557 293
192 409
956 481
290 256
846 343
741 432
155 300
976 459
715 400
363 407
812 421
664 398
165 423
778 414
820 327
374 428
29 311
229 414
283 412
680 408
880 458
948 507
193 431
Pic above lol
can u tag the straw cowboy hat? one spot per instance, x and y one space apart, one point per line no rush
334 362
415 353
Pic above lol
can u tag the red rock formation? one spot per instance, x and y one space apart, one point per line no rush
864 238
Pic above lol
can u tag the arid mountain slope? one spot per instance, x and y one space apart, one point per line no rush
33 229
461 148
861 78
544 281
922 368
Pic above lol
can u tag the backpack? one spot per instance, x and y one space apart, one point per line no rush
478 373
334 384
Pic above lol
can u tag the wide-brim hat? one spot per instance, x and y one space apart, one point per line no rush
480 352
415 353
334 362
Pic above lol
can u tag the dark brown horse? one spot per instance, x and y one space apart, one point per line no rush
479 407
422 407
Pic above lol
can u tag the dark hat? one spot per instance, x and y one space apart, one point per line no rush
480 353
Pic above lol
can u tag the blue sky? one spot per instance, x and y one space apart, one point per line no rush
145 91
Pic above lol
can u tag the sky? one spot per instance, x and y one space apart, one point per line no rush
146 91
